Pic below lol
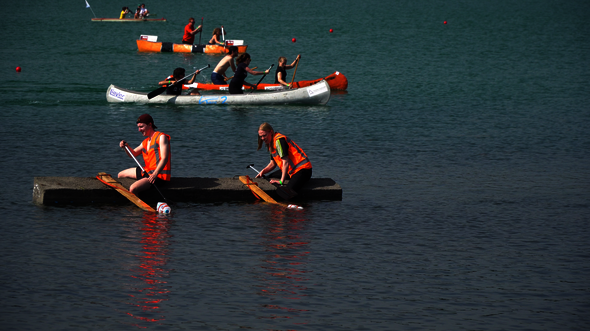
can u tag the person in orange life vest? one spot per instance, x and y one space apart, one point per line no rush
294 165
190 32
156 153
177 89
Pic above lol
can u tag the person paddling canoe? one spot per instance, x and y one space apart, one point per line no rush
218 75
156 153
190 32
281 73
215 39
242 70
124 12
176 89
294 165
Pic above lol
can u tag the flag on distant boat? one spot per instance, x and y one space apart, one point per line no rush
88 6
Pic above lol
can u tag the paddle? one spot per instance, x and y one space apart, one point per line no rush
201 32
226 79
290 206
256 86
258 172
140 167
292 79
161 90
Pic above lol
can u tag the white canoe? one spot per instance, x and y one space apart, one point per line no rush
314 94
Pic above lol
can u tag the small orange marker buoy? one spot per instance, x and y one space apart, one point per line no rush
331 30
18 69
293 40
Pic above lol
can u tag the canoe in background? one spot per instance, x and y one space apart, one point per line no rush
337 81
317 94
128 20
150 46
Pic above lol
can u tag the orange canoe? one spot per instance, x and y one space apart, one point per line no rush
150 46
337 81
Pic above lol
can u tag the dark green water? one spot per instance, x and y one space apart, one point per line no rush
462 150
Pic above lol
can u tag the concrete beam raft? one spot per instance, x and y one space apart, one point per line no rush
89 190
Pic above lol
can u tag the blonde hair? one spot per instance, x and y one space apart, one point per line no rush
266 128
282 58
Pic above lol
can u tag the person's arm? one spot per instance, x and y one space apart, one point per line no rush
271 165
280 79
282 149
197 29
292 65
232 65
164 152
167 81
136 151
192 80
255 73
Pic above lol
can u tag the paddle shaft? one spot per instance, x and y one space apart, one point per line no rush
293 78
258 172
201 32
256 86
161 90
140 167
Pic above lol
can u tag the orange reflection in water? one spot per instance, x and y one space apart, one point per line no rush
284 264
151 271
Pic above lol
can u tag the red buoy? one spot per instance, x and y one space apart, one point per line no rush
331 30
18 69
445 22
293 40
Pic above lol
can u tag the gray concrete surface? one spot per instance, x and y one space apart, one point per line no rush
89 190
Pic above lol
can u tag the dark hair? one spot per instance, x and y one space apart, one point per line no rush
232 49
178 73
242 58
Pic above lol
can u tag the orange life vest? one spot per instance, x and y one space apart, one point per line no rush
296 155
151 156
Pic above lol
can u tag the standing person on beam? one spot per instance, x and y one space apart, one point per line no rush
156 153
294 165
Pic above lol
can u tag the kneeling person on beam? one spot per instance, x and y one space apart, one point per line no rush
155 150
293 163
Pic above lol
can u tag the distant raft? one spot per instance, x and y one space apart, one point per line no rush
144 45
128 20
317 94
337 81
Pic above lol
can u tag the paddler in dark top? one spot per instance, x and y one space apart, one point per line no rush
176 89
242 70
281 73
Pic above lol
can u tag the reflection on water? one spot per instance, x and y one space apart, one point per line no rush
150 290
283 275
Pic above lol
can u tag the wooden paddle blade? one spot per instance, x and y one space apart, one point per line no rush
256 190
156 92
260 194
109 181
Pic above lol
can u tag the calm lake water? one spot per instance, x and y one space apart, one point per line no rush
462 150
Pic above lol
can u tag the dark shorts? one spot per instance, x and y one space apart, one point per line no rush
217 79
296 182
139 175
